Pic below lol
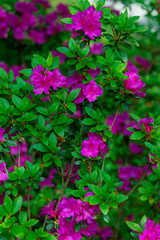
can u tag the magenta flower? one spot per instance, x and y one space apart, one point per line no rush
3 174
43 3
43 79
88 22
1 134
92 91
38 36
24 7
4 24
134 84
74 175
48 180
146 122
142 61
49 210
94 72
28 21
4 66
135 148
152 231
131 67
93 146
96 48
105 233
61 55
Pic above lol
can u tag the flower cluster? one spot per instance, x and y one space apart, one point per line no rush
88 22
94 146
152 231
43 80
3 174
4 26
134 84
146 122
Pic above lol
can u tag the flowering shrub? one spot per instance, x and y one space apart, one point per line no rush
79 130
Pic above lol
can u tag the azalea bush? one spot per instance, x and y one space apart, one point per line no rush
79 122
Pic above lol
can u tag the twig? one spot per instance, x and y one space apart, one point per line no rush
103 163
29 210
115 116
139 182
19 156
66 184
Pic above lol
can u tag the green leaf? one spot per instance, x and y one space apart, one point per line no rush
136 136
92 113
143 222
17 204
58 162
85 51
94 200
53 140
4 104
102 60
41 147
27 71
151 147
73 9
40 60
134 116
10 76
59 130
108 133
104 208
17 102
73 94
100 4
42 110
106 178
141 29
31 222
109 56
64 50
134 226
41 121
55 63
89 121
3 74
17 231
72 45
67 20
8 203
71 107
49 59
121 198
22 218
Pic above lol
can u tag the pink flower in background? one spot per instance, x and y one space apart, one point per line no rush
16 70
1 134
15 150
37 35
92 91
74 174
96 48
3 174
142 61
94 72
28 21
48 180
44 3
4 24
88 22
23 7
152 231
4 66
105 233
134 84
146 122
93 146
61 55
131 67
135 148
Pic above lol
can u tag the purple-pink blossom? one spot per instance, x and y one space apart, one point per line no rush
43 3
146 122
94 146
151 232
4 24
24 7
88 22
50 211
135 148
131 67
43 80
3 174
134 84
96 48
92 90
1 134
37 35
142 61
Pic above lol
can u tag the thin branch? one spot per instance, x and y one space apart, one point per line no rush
103 164
139 182
66 184
115 116
19 156
29 210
